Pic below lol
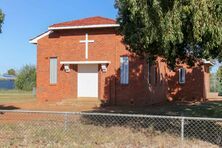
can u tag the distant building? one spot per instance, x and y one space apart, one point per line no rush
7 81
7 77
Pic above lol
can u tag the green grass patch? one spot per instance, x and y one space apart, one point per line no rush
14 91
16 96
205 109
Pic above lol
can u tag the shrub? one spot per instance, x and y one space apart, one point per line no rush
26 78
219 88
11 72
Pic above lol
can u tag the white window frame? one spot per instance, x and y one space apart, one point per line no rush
124 70
182 76
155 74
149 72
53 77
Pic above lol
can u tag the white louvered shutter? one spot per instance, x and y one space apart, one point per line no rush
124 70
53 70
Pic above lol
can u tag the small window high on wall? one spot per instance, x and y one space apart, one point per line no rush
182 75
149 72
124 70
155 74
53 70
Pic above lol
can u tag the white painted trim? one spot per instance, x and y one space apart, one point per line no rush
86 74
124 70
85 62
86 41
207 62
182 79
35 40
84 26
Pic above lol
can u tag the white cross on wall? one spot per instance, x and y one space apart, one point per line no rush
87 41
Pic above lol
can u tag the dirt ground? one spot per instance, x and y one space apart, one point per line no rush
44 106
19 122
205 109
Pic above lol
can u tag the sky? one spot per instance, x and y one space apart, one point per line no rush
24 19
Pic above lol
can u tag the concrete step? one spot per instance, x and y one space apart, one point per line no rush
214 99
214 96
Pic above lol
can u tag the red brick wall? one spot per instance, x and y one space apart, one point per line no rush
194 87
108 46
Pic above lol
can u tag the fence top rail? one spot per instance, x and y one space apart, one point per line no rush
111 114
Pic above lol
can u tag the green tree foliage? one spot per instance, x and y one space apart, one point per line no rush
219 80
26 78
178 30
12 72
1 19
219 72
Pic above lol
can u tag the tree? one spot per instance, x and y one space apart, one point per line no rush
26 78
1 19
177 30
219 72
219 80
11 72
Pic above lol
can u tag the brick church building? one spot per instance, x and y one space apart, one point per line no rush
86 58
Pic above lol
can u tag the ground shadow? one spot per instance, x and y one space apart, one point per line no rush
204 130
6 107
198 109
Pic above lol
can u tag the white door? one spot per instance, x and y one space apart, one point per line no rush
87 80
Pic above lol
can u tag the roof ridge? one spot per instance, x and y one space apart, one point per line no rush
84 21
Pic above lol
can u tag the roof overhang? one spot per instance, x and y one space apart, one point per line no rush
84 27
207 62
35 39
50 30
84 62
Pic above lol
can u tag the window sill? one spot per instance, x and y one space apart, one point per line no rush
124 84
181 83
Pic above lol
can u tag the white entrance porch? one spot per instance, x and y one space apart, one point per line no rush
87 76
87 81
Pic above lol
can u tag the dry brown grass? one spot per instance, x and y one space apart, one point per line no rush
76 134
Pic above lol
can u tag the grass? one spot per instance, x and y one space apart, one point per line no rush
14 91
205 109
40 134
16 96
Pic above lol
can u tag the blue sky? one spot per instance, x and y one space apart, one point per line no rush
27 18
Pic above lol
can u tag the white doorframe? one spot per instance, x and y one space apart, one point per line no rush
88 80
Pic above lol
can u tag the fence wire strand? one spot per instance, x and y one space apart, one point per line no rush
68 129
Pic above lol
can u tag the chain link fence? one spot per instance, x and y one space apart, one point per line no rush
75 129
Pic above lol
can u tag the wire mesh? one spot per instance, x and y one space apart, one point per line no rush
75 129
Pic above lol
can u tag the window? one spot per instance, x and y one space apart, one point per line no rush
53 70
182 73
155 74
124 70
149 72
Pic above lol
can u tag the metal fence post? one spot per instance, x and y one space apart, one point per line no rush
65 120
182 130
